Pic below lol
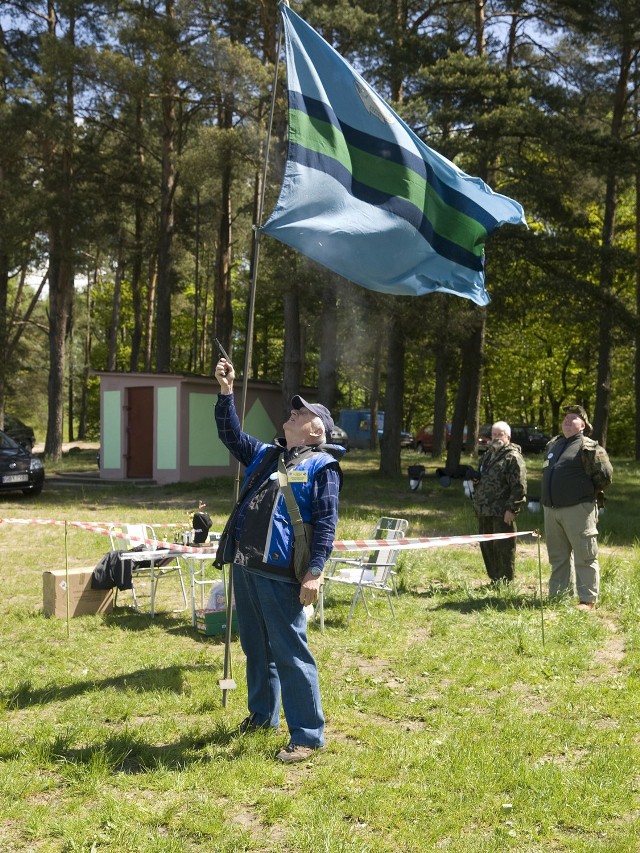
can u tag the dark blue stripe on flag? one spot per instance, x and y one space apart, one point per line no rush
394 204
394 153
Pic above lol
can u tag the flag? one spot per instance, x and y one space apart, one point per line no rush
364 196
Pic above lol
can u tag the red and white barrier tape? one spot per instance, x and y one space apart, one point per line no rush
116 532
95 525
404 544
424 541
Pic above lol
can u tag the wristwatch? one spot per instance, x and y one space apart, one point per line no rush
316 572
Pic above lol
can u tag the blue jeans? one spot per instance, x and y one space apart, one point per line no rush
273 635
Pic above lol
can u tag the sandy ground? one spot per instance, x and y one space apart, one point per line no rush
38 447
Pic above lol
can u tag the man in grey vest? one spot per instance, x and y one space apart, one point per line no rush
575 472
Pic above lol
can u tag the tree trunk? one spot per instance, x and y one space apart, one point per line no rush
86 359
400 29
608 265
151 307
195 361
167 212
475 365
328 369
60 173
390 449
442 365
223 310
292 371
374 401
137 296
637 350
114 331
440 403
469 379
480 19
60 290
461 407
4 330
71 362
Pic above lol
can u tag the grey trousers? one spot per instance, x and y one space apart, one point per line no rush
571 533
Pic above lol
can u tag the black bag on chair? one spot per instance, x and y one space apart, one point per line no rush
201 526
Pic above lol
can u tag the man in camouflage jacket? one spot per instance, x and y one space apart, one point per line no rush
575 472
500 490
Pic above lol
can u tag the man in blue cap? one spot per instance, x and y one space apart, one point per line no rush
260 542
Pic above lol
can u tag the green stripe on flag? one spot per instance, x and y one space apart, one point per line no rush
393 179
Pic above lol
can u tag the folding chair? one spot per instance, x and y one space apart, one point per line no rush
149 562
370 573
392 528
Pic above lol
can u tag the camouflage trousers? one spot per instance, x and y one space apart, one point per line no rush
499 555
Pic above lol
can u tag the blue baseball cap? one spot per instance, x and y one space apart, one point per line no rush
318 409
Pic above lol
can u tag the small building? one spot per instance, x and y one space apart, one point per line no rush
161 427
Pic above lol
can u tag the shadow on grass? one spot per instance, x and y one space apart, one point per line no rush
128 619
493 602
169 679
128 753
122 754
501 603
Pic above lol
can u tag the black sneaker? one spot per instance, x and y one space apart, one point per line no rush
248 725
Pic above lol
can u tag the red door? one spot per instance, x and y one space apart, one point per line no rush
140 437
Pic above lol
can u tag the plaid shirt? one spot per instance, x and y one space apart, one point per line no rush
326 484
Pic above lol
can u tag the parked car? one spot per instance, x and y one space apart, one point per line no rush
20 470
424 439
530 439
357 423
406 439
483 440
19 431
339 436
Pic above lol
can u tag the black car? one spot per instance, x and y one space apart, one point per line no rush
20 470
530 439
406 440
19 431
339 436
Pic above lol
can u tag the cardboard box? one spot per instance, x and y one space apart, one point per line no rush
82 599
213 623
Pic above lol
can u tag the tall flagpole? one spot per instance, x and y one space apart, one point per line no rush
227 682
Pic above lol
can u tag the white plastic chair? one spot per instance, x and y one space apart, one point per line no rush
372 572
152 562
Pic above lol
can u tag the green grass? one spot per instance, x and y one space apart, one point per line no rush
454 728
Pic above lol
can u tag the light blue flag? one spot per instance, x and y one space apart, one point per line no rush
364 196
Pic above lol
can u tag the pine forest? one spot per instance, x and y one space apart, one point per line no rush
134 166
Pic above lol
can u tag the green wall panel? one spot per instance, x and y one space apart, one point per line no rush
205 448
167 429
258 423
111 450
